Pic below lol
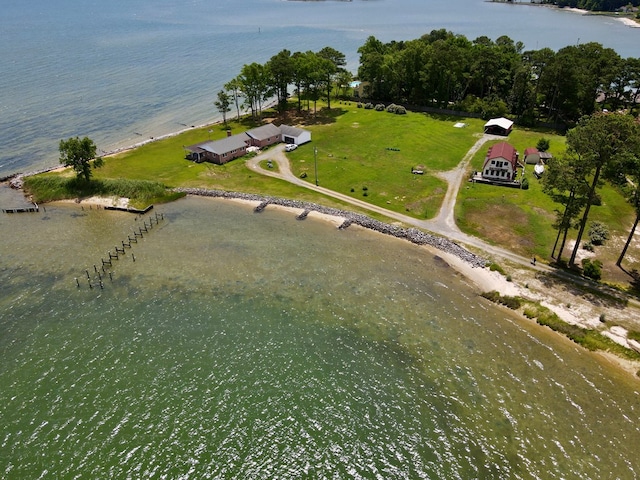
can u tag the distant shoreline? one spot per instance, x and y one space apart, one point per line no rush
629 22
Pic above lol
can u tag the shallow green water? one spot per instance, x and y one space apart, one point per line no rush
243 345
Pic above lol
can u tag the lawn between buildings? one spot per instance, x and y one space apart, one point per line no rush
521 220
369 155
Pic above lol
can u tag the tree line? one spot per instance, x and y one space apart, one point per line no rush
601 147
595 5
313 75
494 78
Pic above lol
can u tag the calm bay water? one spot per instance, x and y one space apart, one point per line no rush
122 72
243 345
256 346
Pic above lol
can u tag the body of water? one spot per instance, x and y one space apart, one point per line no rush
244 345
122 72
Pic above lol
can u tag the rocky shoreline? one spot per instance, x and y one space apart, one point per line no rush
413 235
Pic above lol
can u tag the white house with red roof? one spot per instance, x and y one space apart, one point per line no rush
501 163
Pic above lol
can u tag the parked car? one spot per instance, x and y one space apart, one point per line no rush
289 147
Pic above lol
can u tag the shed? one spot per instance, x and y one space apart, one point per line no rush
294 135
531 156
498 126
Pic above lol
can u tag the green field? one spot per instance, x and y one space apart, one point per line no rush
369 155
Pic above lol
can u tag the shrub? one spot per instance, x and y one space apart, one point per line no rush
494 267
598 233
380 107
592 269
588 246
513 303
397 109
360 105
543 144
368 106
525 184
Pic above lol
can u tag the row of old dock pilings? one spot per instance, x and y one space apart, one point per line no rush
97 279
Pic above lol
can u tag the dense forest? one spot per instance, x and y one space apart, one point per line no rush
498 77
595 5
487 77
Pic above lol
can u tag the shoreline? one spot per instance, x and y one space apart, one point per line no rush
470 266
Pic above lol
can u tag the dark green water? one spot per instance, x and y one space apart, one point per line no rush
243 345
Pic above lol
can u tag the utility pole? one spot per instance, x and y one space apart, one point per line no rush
315 160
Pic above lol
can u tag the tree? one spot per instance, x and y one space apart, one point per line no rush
254 86
234 87
223 104
336 62
564 183
78 154
599 141
280 71
626 175
543 144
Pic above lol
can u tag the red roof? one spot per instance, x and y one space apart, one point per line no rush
530 151
505 151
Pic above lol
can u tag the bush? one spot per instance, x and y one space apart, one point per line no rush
360 105
588 246
368 106
592 269
543 145
494 267
513 303
598 233
397 109
525 184
380 107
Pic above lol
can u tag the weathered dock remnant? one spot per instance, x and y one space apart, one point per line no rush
303 214
262 206
97 278
130 209
34 209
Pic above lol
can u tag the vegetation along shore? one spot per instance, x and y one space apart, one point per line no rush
395 157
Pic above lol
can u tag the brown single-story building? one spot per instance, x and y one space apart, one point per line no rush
264 135
219 151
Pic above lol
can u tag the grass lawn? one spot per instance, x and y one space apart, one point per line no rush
369 155
521 220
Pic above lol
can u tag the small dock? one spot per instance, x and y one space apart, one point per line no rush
129 209
34 209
